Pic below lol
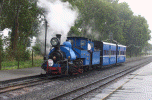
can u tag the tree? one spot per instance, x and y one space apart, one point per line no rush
22 17
1 21
139 33
1 49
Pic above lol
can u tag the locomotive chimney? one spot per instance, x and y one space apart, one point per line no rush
58 36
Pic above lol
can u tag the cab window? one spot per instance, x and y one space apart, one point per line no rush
71 41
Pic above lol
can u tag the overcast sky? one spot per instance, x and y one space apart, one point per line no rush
143 8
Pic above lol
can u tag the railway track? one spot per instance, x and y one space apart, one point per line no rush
135 59
83 90
23 84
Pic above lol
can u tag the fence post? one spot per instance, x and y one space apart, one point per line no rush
18 59
32 57
18 64
0 53
0 59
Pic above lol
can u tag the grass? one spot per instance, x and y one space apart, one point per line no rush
9 65
37 61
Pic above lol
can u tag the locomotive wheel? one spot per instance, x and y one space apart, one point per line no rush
90 67
70 73
81 70
86 69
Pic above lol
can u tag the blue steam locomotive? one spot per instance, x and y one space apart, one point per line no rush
79 54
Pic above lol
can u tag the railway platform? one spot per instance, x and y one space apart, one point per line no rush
135 86
6 75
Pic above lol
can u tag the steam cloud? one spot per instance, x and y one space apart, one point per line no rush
60 18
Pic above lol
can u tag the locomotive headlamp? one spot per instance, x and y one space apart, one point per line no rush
54 41
50 62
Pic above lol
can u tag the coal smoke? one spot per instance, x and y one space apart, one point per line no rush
60 17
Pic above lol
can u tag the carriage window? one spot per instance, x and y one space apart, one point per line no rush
105 52
111 52
83 42
122 53
114 52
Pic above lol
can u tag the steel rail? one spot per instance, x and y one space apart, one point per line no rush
113 79
7 85
76 93
28 83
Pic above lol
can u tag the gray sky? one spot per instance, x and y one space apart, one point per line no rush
143 8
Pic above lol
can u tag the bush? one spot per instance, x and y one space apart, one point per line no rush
37 49
26 55
3 55
22 55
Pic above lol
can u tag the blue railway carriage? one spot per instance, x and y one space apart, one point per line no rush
107 52
121 53
84 50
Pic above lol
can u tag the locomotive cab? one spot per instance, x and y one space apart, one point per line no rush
85 52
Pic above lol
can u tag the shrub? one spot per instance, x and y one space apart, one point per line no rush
37 49
26 55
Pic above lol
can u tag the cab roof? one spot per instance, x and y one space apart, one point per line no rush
78 38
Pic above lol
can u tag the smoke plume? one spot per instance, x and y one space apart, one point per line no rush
60 17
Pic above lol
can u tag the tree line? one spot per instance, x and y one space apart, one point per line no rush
99 18
96 20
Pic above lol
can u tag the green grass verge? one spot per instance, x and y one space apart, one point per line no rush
8 65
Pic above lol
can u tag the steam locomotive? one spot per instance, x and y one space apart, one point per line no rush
79 54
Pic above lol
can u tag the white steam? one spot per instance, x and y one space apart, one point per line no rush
60 18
